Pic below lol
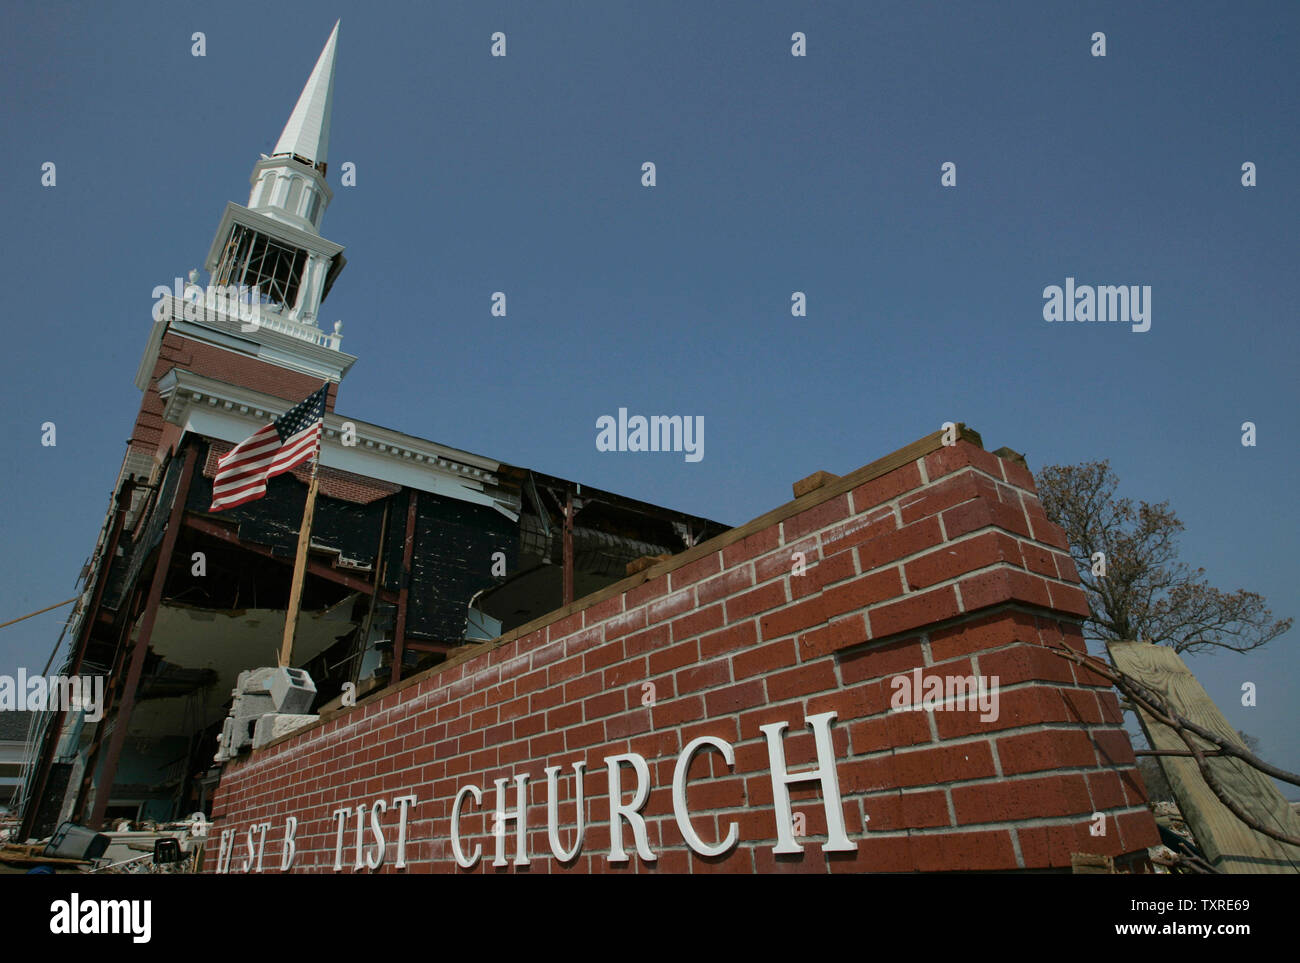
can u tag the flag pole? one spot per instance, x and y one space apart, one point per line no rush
300 563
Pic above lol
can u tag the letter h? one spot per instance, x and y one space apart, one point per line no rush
824 772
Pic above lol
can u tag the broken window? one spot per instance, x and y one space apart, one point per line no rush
251 258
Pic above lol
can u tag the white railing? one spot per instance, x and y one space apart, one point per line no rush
218 309
296 329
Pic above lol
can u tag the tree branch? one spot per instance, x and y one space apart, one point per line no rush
1158 708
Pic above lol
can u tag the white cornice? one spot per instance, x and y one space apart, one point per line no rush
144 372
219 328
267 225
231 413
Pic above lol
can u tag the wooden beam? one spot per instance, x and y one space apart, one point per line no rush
299 569
813 482
436 647
1229 845
314 567
403 596
380 568
567 558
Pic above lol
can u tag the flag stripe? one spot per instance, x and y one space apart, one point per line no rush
293 438
259 481
248 449
267 465
266 468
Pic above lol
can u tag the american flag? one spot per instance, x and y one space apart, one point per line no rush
288 441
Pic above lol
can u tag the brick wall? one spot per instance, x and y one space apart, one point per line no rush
935 557
151 434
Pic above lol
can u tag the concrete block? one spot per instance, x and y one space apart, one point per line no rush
292 691
273 725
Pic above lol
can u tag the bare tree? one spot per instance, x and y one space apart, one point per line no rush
1146 593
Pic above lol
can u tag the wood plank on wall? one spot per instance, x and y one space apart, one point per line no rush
1229 844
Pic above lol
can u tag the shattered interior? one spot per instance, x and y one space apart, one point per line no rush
357 594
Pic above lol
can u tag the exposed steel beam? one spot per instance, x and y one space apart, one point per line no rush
133 603
568 546
436 647
403 596
55 728
321 570
122 718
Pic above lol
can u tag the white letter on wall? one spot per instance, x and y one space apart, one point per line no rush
553 811
520 819
375 858
619 812
290 846
402 802
679 797
341 815
456 851
825 773
227 848
361 819
261 843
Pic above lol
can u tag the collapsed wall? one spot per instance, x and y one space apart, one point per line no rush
685 703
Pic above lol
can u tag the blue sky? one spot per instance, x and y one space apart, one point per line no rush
775 174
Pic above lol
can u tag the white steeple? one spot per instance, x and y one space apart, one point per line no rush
273 246
270 269
289 186
307 134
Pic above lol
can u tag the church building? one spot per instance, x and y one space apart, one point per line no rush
416 547
514 672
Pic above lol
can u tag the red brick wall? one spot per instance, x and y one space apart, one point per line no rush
151 434
945 562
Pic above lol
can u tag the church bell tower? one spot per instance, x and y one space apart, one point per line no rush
257 327
274 242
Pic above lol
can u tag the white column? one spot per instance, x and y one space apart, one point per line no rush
307 297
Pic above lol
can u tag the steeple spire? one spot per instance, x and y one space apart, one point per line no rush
289 186
307 134
274 245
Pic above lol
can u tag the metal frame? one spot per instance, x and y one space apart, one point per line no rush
403 596
54 729
253 258
122 718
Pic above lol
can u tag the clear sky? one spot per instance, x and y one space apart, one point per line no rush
775 174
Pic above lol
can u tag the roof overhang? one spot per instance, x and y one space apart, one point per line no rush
233 213
215 409
224 330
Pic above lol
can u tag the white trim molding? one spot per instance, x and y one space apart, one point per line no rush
231 413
